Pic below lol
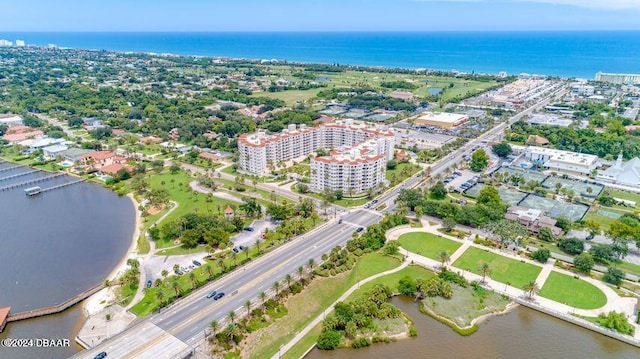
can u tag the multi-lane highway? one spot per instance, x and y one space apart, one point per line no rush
176 330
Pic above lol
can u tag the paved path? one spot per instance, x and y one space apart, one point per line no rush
327 311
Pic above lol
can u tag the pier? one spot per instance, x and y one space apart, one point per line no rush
9 168
62 185
55 308
19 175
31 181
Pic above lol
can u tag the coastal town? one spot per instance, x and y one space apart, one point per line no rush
281 206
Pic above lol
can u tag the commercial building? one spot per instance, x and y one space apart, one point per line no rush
623 173
583 90
618 78
359 150
441 119
549 120
562 161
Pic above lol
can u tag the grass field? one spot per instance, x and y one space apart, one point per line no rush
402 172
626 195
573 292
290 97
304 307
604 221
427 244
504 270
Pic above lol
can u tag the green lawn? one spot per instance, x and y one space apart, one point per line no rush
306 306
143 245
604 221
290 96
427 244
504 270
401 172
573 292
180 250
626 195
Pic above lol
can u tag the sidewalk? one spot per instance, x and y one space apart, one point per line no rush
328 311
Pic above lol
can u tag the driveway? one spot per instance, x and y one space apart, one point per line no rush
248 239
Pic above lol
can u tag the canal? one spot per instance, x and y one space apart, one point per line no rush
55 245
522 333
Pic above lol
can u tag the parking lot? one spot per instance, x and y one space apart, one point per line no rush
460 180
248 238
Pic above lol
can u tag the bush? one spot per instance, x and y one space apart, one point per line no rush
541 255
360 343
413 331
616 321
613 276
329 340
584 262
453 277
571 245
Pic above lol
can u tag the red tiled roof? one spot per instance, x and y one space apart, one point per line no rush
115 168
99 155
228 210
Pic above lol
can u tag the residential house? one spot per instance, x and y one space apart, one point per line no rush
54 151
11 120
74 154
532 219
17 134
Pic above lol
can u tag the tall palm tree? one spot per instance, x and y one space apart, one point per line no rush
311 263
485 271
207 267
193 279
234 256
288 278
257 244
531 288
263 297
214 327
247 306
300 272
276 288
160 297
232 316
176 287
444 258
221 264
246 252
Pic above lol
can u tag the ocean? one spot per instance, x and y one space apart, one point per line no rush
565 54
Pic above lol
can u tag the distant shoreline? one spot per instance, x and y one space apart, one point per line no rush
553 53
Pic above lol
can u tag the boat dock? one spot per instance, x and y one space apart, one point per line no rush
54 308
9 168
62 185
31 181
19 175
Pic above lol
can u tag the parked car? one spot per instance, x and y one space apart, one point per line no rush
242 248
149 283
374 201
340 221
212 294
218 296
179 272
236 250
191 267
589 237
198 264
100 355
360 229
248 229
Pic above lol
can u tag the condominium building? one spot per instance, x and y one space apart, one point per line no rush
618 78
359 152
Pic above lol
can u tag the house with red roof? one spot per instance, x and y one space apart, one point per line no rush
229 213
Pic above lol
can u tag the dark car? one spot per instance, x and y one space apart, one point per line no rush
198 264
149 283
179 272
218 296
212 294
236 250
340 221
100 355
242 248
589 237
248 229
360 229
374 201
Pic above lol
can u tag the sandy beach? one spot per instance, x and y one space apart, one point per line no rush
107 296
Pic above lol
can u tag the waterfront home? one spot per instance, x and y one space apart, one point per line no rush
42 142
113 169
97 159
54 151
74 154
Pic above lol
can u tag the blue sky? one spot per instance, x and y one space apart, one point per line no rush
318 15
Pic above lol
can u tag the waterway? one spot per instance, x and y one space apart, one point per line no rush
522 333
55 245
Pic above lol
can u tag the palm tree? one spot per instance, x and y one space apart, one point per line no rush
193 279
288 279
276 288
160 297
221 264
311 263
247 306
531 288
176 267
164 273
444 258
257 244
176 287
207 267
246 252
300 272
214 327
263 297
234 256
485 271
232 316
